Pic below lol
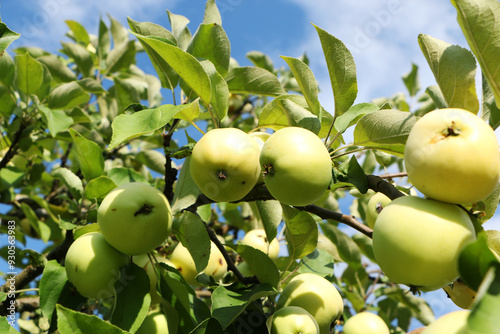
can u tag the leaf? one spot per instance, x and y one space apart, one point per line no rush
342 70
454 69
348 250
57 120
79 33
121 57
122 175
104 43
353 114
51 285
269 213
73 322
220 90
186 191
365 245
307 83
494 241
260 264
99 187
7 325
8 70
67 96
260 59
212 14
59 70
480 24
118 31
350 173
411 80
7 36
211 42
153 159
490 112
91 86
72 181
133 299
179 29
301 232
29 73
253 80
186 66
386 130
81 56
89 156
319 262
434 92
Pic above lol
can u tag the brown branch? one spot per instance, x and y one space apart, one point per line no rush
12 151
170 173
380 185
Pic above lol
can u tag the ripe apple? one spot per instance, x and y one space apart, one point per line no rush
135 218
144 262
183 261
417 241
154 323
365 323
296 165
225 164
450 323
293 319
258 239
460 294
93 265
316 295
374 206
452 155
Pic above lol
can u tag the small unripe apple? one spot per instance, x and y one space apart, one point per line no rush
316 295
225 164
365 323
450 323
374 206
257 238
417 241
292 320
150 268
93 265
135 218
154 323
451 155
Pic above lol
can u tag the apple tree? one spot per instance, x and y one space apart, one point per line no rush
351 211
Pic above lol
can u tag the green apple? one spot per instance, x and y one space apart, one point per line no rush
417 241
135 218
258 239
374 206
316 295
450 323
260 138
460 294
296 165
154 323
365 323
93 265
293 320
225 164
452 155
183 261
150 268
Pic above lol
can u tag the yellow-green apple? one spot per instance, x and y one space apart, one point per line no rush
293 320
257 238
135 218
460 294
452 155
296 165
225 164
154 323
450 323
93 265
144 262
316 295
417 241
374 206
365 323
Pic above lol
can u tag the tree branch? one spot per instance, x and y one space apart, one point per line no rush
170 173
13 145
380 185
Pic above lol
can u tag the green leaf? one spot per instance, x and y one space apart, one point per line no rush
353 114
455 71
434 92
490 112
122 175
350 173
494 240
8 101
260 264
91 86
319 262
269 213
59 70
253 80
386 130
29 76
212 14
475 260
186 66
154 160
301 232
211 42
128 126
118 31
121 57
7 325
342 70
192 233
67 96
89 156
7 36
133 299
229 302
81 56
307 83
260 59
79 33
8 70
179 29
348 250
72 181
104 43
365 244
73 322
57 120
126 93
99 187
51 285
411 80
220 91
186 191
480 24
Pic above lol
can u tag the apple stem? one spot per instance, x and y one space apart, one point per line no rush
144 210
222 175
452 130
267 169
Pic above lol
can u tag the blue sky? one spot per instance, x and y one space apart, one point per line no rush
381 34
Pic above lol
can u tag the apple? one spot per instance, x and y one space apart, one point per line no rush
144 262
365 323
93 265
450 323
154 323
292 320
460 294
183 261
260 137
296 165
374 206
417 241
135 218
225 164
257 238
452 155
316 295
